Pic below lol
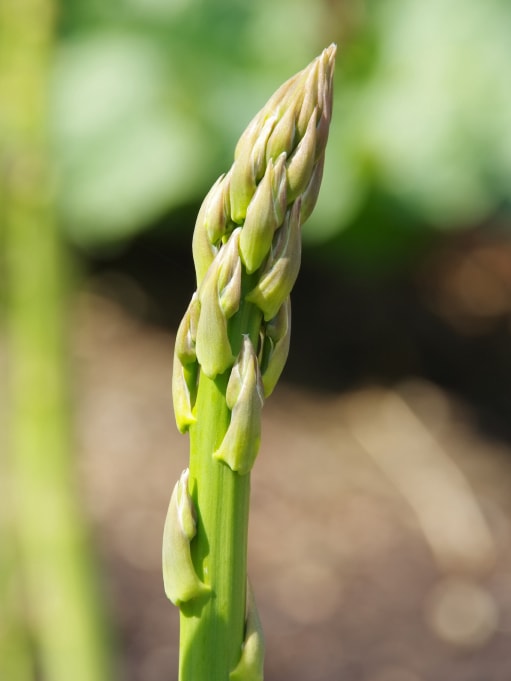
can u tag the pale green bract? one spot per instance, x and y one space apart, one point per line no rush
245 399
179 577
250 666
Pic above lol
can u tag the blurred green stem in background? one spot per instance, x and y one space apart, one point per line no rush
54 569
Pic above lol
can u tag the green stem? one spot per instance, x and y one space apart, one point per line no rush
212 628
15 660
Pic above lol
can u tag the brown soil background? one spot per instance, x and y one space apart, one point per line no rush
380 530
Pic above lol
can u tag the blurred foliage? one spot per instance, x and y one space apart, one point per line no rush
150 97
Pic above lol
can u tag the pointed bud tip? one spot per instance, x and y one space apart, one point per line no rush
328 56
330 51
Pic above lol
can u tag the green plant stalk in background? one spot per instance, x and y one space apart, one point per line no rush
230 350
54 570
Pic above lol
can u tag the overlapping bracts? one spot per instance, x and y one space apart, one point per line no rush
249 229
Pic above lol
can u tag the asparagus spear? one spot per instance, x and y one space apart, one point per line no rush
231 348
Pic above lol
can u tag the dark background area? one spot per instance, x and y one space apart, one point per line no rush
439 311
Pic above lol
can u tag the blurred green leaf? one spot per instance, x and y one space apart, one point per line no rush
126 148
150 97
430 118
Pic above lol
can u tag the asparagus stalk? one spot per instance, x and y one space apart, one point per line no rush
230 350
